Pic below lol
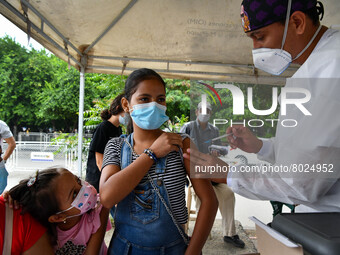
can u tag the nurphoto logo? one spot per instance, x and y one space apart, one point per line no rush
294 97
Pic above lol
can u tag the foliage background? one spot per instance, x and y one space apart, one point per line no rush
40 92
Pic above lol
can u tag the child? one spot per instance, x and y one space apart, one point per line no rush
67 207
144 175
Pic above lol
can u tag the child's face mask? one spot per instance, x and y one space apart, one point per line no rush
85 200
149 116
124 120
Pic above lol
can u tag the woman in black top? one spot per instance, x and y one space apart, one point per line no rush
106 130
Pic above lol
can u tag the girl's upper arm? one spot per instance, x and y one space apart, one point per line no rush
208 209
110 160
107 172
202 187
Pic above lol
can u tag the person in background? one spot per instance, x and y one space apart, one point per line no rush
200 131
5 134
285 32
106 130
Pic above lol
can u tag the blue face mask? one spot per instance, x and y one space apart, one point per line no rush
125 119
149 116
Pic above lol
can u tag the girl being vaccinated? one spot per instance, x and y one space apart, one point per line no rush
145 175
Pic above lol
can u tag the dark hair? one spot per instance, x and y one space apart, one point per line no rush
133 81
115 108
137 77
313 13
39 199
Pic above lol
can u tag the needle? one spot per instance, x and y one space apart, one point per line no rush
216 138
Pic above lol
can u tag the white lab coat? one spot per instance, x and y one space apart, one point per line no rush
316 139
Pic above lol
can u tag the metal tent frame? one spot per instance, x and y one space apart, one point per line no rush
75 31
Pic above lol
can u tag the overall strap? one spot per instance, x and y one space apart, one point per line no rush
160 165
8 231
126 155
169 211
126 151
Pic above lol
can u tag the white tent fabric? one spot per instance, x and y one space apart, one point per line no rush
188 39
200 39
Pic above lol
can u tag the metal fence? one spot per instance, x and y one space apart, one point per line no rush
42 137
36 155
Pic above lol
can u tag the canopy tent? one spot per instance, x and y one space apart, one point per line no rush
190 39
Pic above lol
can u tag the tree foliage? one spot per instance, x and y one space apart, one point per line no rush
19 81
177 98
58 99
39 91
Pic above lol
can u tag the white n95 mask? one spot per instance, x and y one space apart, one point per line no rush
273 61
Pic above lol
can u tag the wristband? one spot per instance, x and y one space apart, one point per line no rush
150 153
2 159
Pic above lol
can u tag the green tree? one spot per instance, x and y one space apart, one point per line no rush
22 74
58 100
39 91
177 98
109 86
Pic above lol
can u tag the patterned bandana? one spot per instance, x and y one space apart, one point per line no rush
256 14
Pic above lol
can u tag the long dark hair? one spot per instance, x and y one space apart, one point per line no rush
115 108
133 81
37 197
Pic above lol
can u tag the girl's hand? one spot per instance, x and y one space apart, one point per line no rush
8 199
166 143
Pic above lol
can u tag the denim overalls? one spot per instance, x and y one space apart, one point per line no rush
142 224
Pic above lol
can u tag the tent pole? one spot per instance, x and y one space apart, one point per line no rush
80 119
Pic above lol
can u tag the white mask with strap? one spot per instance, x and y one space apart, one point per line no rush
276 61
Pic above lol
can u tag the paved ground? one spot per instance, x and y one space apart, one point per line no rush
215 245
